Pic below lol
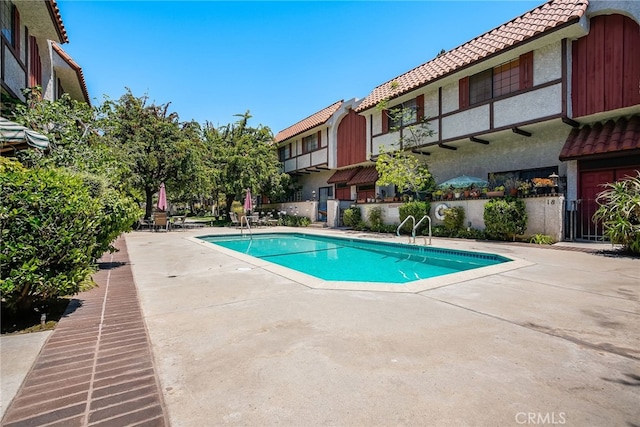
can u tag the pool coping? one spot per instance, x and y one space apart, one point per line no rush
313 282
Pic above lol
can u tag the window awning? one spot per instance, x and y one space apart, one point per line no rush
368 175
342 176
17 137
601 139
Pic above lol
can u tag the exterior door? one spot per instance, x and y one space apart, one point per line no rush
323 195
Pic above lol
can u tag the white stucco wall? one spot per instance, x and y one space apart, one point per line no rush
547 63
451 97
466 122
510 152
14 75
528 106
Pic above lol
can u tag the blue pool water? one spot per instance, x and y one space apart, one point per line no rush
344 259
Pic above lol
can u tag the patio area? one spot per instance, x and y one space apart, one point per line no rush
554 341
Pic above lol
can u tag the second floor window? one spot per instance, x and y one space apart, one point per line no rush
7 22
494 82
310 143
402 115
283 153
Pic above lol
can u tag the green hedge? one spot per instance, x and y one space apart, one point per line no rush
505 218
54 226
418 210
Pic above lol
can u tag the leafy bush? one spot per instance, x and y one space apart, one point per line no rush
619 212
418 210
54 225
352 216
294 221
505 218
454 218
375 219
542 239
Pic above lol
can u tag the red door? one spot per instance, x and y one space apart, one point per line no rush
590 185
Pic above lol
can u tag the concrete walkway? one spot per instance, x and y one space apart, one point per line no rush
554 341
96 368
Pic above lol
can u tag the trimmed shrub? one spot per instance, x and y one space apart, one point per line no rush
375 219
352 216
505 218
454 218
418 210
54 225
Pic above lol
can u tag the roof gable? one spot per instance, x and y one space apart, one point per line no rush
544 18
310 122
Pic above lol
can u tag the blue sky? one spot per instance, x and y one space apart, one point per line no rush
282 61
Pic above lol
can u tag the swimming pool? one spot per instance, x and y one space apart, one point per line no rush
354 260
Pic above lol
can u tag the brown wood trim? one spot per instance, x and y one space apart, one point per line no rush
508 95
526 70
463 92
16 29
564 77
370 135
439 113
490 131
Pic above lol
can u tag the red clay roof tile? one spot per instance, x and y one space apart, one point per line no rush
548 16
310 122
366 175
603 138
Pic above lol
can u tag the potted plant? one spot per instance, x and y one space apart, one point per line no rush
542 185
524 187
511 184
497 191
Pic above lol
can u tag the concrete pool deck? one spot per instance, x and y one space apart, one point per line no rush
554 341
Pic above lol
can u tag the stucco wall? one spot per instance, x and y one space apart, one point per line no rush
532 105
13 74
545 214
547 63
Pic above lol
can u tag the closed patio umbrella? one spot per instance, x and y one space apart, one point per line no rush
248 201
464 181
162 198
17 137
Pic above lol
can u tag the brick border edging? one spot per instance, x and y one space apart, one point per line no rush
97 367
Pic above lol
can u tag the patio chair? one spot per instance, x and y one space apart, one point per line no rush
143 223
160 221
178 221
235 221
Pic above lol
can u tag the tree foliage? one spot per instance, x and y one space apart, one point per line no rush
243 157
619 212
54 224
151 142
398 165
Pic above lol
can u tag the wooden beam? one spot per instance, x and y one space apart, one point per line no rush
570 122
521 132
448 147
479 141
424 153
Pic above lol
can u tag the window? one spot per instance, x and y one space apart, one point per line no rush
497 81
480 87
8 22
310 143
283 153
402 115
506 78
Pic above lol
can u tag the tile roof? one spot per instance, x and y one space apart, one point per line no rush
341 176
366 175
55 11
83 84
546 17
310 122
603 138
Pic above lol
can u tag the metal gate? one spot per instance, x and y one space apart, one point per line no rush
581 225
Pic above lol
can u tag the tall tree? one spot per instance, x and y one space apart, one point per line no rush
243 156
150 140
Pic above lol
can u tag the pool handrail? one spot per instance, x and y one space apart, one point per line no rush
413 233
246 220
416 226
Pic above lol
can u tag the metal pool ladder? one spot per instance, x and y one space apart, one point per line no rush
248 226
412 239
